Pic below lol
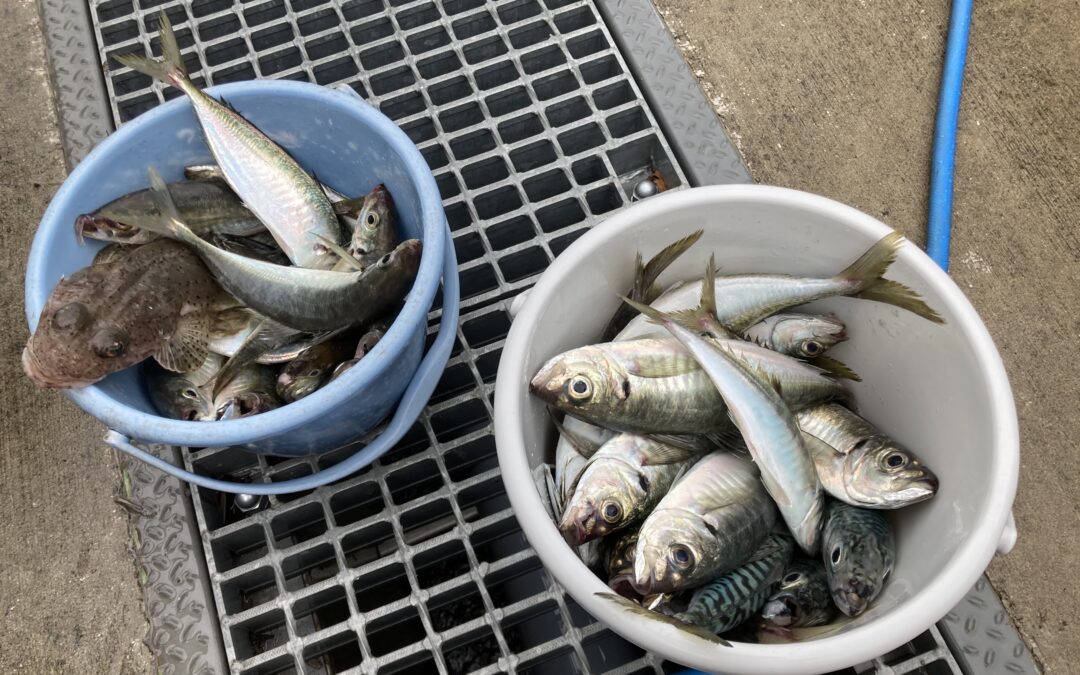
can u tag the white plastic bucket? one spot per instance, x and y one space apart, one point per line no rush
941 390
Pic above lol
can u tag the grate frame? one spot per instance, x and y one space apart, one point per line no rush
689 138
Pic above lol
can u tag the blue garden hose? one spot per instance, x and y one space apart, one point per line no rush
939 218
939 223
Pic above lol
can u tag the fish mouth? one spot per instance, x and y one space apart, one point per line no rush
623 584
34 370
547 383
578 525
851 602
87 225
780 612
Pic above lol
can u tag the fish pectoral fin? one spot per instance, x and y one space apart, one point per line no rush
670 454
188 346
678 447
340 252
688 628
835 368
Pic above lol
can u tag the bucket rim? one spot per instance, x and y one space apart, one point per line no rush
151 428
911 616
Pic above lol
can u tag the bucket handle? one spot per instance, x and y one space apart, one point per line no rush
409 408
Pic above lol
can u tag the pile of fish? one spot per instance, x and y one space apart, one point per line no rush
250 283
712 467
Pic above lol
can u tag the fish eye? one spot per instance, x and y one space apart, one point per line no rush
109 343
895 460
314 372
681 556
385 259
792 578
579 388
372 220
71 317
612 512
812 348
190 393
836 556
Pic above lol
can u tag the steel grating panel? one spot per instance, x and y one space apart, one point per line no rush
535 127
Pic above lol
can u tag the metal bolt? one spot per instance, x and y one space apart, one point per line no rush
246 502
645 188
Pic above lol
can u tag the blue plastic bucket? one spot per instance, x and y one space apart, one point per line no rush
351 147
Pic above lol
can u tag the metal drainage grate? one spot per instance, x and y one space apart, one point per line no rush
535 127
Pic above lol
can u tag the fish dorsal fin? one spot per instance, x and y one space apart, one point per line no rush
582 445
203 172
835 368
349 207
187 348
702 319
644 288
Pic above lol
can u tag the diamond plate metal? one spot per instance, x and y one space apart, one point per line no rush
184 633
78 86
692 127
980 631
293 583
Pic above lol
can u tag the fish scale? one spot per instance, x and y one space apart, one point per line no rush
268 180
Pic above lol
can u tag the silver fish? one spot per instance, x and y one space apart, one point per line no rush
733 598
374 233
768 427
176 395
805 336
860 465
654 386
249 392
619 485
578 442
858 550
302 299
709 522
208 207
367 342
231 330
802 598
748 298
311 369
268 181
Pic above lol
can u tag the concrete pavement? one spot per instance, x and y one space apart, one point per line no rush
839 99
69 598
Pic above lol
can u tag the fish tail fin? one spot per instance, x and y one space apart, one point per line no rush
171 68
897 294
169 224
866 275
681 621
651 271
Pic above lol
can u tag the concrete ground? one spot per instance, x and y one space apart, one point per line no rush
839 99
69 598
835 98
